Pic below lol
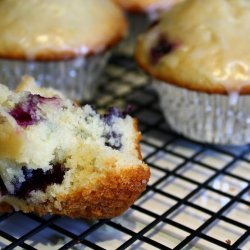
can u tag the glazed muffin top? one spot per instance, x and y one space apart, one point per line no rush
200 45
145 5
58 29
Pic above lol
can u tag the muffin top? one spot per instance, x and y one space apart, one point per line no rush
145 5
58 29
200 45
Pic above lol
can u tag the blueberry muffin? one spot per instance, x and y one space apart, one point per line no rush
62 44
198 56
141 13
58 158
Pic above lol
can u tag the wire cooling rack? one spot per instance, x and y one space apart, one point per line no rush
198 196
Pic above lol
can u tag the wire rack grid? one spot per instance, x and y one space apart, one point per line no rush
198 196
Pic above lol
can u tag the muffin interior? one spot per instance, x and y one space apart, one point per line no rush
48 140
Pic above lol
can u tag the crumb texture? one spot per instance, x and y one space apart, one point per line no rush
56 157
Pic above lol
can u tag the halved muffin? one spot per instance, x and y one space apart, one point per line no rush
56 157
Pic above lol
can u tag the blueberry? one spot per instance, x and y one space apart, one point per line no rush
112 113
162 48
25 113
113 140
116 113
116 147
35 179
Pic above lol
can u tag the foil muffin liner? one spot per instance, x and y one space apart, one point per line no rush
77 78
210 118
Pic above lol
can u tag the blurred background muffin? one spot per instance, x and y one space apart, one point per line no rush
199 56
140 14
63 44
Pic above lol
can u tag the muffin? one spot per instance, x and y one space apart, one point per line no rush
63 45
198 56
141 13
58 158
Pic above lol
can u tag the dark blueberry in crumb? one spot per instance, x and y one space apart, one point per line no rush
25 113
115 113
37 179
113 140
113 146
3 189
162 47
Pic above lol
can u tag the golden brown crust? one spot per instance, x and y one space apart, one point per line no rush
174 79
114 194
5 208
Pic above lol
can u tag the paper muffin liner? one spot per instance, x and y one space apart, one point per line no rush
77 78
138 23
210 118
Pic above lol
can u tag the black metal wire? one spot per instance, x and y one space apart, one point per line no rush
149 103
